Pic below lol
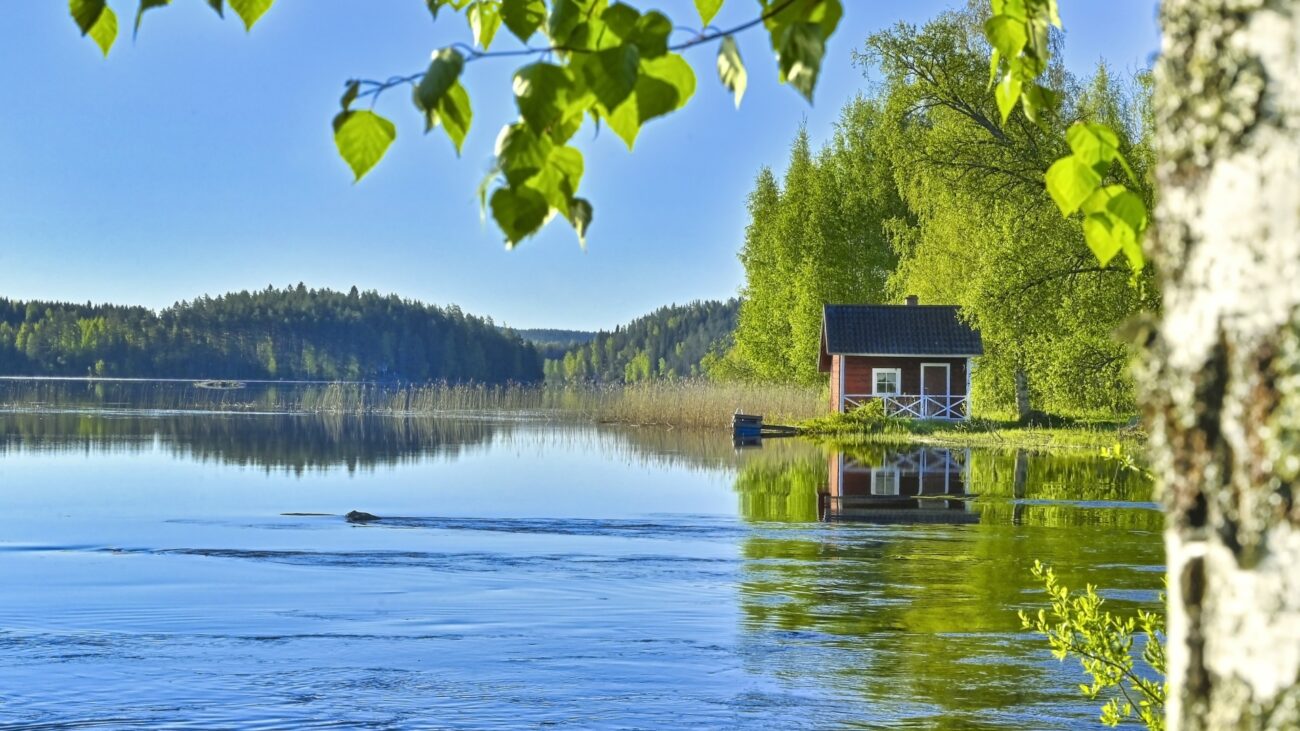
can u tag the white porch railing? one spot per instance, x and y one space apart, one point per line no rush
915 407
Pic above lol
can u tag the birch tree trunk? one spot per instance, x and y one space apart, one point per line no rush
1221 381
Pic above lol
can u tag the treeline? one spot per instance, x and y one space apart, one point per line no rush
922 190
672 342
291 333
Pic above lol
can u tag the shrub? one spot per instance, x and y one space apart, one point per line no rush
1077 626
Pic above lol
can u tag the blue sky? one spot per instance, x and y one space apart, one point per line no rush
199 159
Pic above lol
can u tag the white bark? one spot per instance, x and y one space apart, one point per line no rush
1222 380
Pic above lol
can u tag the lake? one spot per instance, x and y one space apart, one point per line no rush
194 570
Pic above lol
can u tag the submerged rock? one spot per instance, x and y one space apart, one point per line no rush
356 516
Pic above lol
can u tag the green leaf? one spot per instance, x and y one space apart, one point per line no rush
104 32
520 212
147 5
610 74
522 153
1097 232
1053 13
825 14
1094 144
564 130
545 94
86 13
651 34
1039 97
96 20
707 9
438 79
665 85
558 181
1013 8
995 60
565 16
217 6
455 115
580 213
483 186
1007 94
250 11
523 17
799 56
1070 183
731 70
620 19
1129 208
484 19
362 138
1006 34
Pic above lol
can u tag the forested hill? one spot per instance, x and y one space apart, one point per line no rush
292 333
555 343
671 342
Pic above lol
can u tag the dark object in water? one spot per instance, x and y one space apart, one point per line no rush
751 426
356 516
221 385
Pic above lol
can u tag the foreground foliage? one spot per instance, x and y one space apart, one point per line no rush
609 63
1077 626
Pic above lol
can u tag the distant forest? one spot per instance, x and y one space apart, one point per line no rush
677 341
553 344
291 333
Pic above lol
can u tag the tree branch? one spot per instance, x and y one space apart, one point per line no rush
375 88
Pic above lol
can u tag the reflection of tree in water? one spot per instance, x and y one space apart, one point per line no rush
867 610
300 442
995 486
295 443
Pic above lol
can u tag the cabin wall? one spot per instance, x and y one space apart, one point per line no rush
857 373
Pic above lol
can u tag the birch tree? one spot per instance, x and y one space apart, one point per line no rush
1221 381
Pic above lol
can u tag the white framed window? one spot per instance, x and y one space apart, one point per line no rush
884 482
886 381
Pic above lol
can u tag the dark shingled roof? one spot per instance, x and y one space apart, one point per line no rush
898 330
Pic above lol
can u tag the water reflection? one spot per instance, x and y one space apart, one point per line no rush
295 443
922 485
930 484
305 442
549 573
906 599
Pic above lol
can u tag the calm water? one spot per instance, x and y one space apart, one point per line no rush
532 575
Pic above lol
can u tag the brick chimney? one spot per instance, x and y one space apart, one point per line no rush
911 300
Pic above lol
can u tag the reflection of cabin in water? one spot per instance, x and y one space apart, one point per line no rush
923 485
915 359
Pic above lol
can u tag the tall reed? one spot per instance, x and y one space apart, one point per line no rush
681 403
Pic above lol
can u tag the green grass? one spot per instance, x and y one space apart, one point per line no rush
867 426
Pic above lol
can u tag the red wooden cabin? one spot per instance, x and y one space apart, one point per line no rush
915 359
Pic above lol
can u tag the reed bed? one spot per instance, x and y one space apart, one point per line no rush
705 404
682 403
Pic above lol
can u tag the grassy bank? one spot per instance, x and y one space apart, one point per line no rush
865 426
